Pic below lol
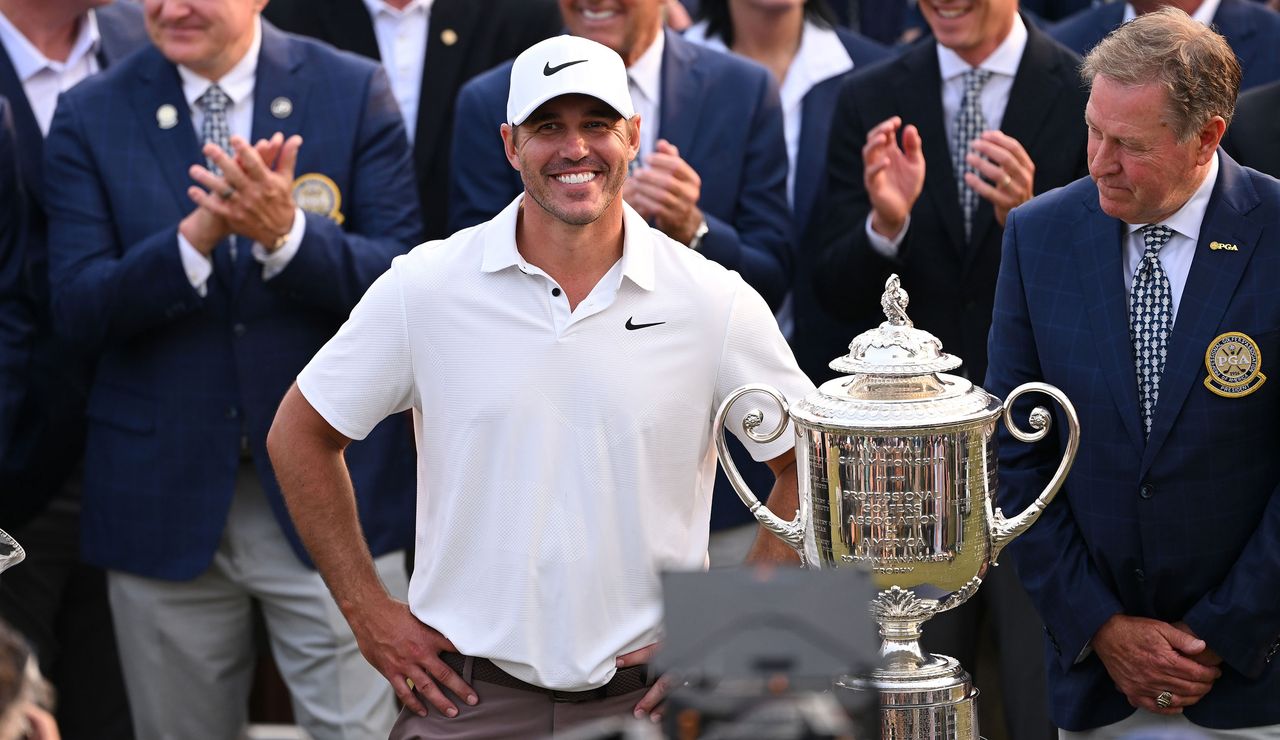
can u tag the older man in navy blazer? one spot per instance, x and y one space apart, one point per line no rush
1147 294
206 277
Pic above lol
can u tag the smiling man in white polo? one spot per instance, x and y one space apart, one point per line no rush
563 362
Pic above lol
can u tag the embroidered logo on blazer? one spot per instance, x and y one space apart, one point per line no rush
1234 362
315 193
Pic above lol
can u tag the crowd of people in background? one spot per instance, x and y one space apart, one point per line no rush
195 194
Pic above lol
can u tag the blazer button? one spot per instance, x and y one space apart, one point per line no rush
239 329
1137 573
233 412
1147 490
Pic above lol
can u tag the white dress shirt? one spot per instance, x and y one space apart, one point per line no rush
43 78
238 84
402 44
1003 64
820 57
645 78
1175 256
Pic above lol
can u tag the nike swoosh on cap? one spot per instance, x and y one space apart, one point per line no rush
548 70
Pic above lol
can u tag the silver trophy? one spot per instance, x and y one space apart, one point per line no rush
897 472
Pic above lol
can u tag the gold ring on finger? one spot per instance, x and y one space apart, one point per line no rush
226 194
409 682
1164 700
1005 182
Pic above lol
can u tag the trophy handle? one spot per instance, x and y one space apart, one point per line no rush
1004 530
791 532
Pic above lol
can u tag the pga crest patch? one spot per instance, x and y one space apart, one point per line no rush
1234 362
316 193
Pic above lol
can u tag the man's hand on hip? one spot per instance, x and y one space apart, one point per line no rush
893 175
407 653
1146 657
650 704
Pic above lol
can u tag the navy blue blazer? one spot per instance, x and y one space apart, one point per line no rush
720 111
53 385
1250 27
15 333
819 337
1183 525
180 377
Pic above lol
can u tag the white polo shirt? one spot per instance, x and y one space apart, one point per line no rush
564 459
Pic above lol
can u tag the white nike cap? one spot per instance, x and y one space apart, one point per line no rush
567 65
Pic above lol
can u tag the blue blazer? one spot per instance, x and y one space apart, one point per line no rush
181 377
1183 525
819 337
720 111
15 331
1250 27
51 387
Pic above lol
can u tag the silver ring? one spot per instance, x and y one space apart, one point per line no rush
1164 700
226 194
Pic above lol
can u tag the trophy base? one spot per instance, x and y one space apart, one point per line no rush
933 701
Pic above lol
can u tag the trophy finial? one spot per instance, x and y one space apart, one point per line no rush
894 302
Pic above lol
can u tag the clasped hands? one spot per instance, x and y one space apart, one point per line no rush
253 196
665 191
1146 657
407 653
894 175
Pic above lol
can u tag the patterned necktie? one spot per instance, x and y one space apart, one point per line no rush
970 123
215 128
1150 320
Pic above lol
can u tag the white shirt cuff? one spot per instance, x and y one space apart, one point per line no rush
273 263
883 245
197 266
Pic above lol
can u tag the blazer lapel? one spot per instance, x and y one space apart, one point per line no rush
1035 88
349 20
1210 287
30 151
443 67
1101 274
682 84
279 105
921 106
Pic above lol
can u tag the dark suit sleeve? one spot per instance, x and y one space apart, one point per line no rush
1240 619
99 289
757 243
16 322
335 264
482 181
850 274
1052 559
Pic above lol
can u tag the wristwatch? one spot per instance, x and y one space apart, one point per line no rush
696 242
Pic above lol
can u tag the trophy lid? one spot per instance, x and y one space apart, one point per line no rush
896 347
895 379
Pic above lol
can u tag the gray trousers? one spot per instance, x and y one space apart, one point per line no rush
187 647
505 712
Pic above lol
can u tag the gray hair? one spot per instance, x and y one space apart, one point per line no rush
1193 63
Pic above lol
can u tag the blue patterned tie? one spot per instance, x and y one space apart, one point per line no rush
1150 320
970 123
215 128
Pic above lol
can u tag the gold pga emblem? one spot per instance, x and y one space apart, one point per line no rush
1215 246
1234 363
315 193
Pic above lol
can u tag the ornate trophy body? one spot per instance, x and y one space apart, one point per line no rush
897 471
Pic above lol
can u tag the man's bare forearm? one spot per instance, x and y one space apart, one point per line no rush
783 501
307 455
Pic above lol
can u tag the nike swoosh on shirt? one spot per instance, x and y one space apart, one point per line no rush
633 326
